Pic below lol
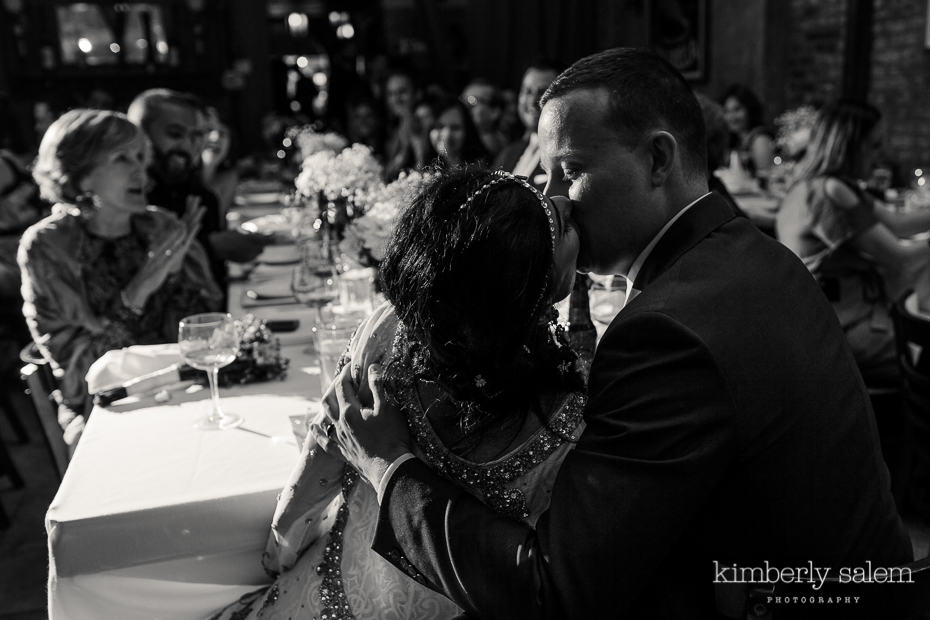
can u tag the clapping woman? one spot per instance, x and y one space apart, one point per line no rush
104 270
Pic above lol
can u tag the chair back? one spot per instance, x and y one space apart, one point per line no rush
912 338
42 386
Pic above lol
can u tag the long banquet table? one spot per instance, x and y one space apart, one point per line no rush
157 519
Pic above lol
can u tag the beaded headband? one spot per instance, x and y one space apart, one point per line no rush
501 176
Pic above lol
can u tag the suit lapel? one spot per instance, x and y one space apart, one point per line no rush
699 221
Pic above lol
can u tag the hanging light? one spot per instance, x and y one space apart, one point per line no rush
298 24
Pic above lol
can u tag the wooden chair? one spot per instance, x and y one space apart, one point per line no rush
912 334
42 385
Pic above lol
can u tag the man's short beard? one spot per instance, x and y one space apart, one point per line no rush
173 167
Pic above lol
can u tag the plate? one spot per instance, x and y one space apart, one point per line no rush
271 224
271 289
262 198
279 255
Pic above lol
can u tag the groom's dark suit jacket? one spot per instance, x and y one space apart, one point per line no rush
726 422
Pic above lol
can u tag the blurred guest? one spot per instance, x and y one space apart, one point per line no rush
852 246
20 207
453 138
407 142
751 142
522 157
364 124
717 133
99 99
509 124
218 169
486 106
105 270
174 123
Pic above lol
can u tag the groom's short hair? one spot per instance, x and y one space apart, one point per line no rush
646 93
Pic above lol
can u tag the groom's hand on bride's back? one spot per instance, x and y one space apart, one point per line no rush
368 439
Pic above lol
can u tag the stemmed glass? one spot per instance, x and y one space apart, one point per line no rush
208 342
313 280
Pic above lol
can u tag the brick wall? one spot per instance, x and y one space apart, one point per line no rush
900 68
900 80
815 51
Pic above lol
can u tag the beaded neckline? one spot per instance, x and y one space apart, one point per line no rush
490 478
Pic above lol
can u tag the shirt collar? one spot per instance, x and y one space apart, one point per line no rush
641 259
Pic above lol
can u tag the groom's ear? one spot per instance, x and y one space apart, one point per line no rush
663 149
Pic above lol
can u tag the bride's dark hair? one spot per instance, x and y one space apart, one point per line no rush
470 282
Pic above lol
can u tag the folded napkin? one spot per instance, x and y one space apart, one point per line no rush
120 365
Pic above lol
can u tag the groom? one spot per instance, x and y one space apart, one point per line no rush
727 424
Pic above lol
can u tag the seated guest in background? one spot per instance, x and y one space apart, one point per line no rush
174 123
105 270
364 124
726 421
485 105
718 140
217 166
522 157
851 245
752 144
407 141
468 350
453 138
20 207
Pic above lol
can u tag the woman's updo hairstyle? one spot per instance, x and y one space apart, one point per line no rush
470 282
72 147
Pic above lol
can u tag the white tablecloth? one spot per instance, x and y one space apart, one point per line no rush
156 519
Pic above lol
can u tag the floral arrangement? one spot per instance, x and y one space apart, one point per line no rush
350 174
794 129
367 236
310 141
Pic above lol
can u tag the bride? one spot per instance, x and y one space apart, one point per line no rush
471 353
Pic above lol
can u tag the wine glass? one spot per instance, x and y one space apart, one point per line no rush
314 279
208 342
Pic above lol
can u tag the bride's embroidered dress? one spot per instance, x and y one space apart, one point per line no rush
320 550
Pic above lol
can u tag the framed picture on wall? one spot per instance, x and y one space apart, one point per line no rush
678 31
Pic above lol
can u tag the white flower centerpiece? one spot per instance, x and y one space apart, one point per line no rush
794 130
309 141
334 184
367 236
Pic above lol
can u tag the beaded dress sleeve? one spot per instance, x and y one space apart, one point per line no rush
315 482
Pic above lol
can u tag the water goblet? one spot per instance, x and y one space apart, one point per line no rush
208 342
314 282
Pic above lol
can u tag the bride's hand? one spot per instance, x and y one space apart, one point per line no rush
368 439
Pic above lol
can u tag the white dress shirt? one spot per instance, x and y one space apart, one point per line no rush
631 290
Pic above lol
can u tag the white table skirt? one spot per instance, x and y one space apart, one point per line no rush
155 518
